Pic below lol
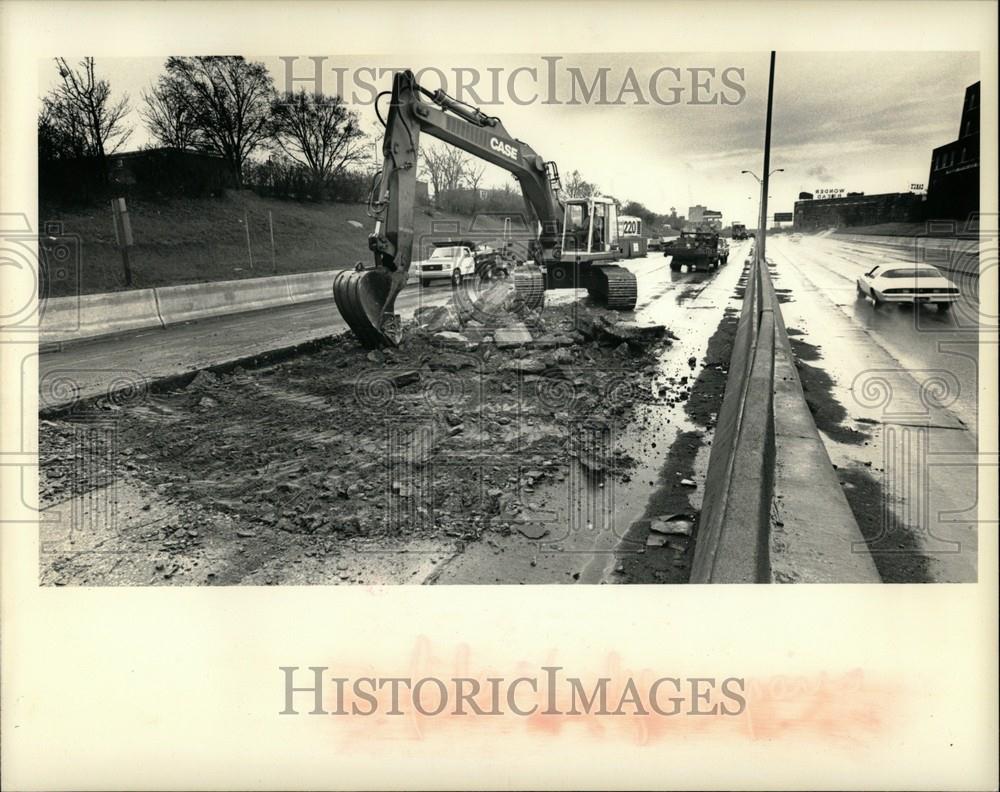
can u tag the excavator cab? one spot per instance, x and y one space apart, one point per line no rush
590 227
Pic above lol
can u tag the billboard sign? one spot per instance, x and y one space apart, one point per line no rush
782 217
830 192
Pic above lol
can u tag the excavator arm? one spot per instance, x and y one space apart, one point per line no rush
367 299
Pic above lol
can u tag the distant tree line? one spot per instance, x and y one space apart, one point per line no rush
302 145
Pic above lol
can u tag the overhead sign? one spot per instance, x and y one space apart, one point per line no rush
831 192
782 217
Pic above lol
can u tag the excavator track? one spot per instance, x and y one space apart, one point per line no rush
360 297
613 287
529 290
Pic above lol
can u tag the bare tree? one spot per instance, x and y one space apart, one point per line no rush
445 166
82 108
578 187
230 99
474 175
170 116
61 134
317 131
472 178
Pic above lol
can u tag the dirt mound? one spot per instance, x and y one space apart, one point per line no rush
448 434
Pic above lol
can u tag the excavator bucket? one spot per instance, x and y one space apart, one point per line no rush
361 299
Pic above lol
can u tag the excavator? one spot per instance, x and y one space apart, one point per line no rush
576 241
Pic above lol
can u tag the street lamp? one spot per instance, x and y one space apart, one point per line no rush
757 179
776 170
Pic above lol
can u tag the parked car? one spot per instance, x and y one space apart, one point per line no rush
910 285
453 261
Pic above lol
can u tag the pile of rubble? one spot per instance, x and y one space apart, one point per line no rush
454 432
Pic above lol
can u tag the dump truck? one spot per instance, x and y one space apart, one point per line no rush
696 250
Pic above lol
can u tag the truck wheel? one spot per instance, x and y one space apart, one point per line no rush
876 301
861 292
944 307
425 282
675 267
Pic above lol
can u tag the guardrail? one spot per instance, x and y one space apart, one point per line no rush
820 538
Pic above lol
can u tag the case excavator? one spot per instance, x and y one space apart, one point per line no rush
576 240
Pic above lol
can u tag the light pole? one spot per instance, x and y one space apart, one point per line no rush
757 179
776 170
760 246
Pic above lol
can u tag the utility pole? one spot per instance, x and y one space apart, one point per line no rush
762 221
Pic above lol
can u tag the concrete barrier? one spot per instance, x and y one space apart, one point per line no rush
202 300
733 528
86 316
68 319
773 509
310 286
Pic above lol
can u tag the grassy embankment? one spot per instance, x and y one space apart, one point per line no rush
202 240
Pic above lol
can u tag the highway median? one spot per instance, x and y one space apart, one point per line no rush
774 509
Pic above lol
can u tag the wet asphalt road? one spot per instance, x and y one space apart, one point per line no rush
894 392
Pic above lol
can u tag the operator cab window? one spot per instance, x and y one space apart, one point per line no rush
598 240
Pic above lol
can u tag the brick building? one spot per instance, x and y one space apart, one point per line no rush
857 209
953 184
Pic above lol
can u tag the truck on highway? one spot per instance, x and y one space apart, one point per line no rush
696 250
739 231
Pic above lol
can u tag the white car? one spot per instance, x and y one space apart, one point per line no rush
910 284
455 262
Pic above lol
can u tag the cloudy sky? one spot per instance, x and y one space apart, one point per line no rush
858 121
